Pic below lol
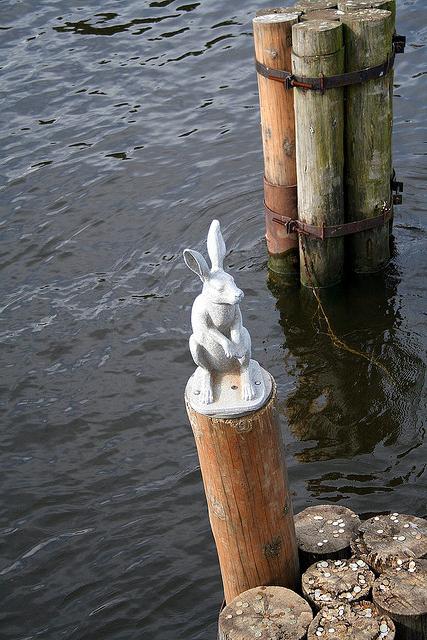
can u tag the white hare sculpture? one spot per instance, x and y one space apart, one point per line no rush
220 343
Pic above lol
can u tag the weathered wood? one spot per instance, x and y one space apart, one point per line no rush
273 43
401 593
314 5
388 540
354 5
325 532
358 621
270 613
322 14
337 581
250 511
368 42
318 48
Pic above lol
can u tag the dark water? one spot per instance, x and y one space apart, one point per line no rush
126 127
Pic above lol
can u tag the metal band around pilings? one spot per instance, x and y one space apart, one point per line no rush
336 230
323 83
279 200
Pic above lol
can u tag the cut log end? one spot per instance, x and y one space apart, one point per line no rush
388 540
307 6
401 593
358 621
326 531
274 16
322 14
337 581
268 613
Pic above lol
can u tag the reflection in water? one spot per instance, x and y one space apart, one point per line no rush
344 404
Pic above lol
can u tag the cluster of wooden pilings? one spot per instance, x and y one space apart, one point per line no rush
325 78
360 581
321 574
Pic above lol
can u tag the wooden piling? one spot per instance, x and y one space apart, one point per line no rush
368 42
324 532
314 5
337 581
355 5
322 14
244 474
275 613
273 43
401 593
318 49
386 541
359 621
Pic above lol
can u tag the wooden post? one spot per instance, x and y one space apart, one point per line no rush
387 541
322 14
368 42
354 5
324 532
275 613
318 49
401 593
272 40
337 581
360 620
314 5
250 511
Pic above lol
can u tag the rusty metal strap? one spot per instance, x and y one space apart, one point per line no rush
332 231
322 83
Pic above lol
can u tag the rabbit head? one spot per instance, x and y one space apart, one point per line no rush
218 286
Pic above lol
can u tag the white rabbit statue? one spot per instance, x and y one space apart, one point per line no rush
220 344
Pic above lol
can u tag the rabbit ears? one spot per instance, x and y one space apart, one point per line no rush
216 245
216 250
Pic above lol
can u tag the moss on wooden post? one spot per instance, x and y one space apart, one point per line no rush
318 49
368 42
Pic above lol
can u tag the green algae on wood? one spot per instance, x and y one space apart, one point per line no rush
318 49
368 42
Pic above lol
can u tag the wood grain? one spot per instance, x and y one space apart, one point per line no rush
273 44
358 621
318 49
244 475
265 613
401 593
325 532
368 42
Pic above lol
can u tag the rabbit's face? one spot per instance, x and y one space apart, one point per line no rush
220 288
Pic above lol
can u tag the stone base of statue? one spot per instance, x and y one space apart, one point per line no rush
227 392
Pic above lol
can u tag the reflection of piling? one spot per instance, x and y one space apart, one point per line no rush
273 42
244 475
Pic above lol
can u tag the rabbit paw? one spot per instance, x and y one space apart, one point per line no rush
248 391
229 350
206 391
